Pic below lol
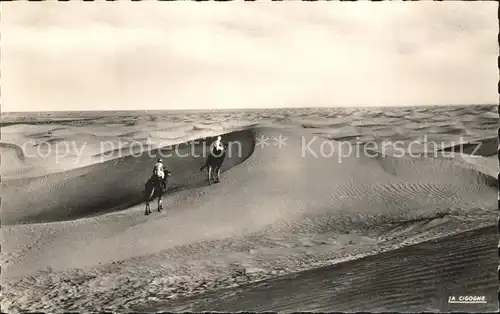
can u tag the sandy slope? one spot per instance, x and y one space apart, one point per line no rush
37 148
112 184
417 278
275 212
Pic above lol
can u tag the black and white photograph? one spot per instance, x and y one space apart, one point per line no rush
264 156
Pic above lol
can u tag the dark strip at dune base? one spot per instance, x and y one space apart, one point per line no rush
418 278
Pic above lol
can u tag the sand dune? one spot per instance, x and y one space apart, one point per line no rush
289 201
61 145
114 184
293 175
15 150
483 147
418 278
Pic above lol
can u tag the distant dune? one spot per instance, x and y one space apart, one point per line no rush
6 148
485 147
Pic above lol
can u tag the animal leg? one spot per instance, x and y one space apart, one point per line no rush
209 175
160 204
218 174
149 198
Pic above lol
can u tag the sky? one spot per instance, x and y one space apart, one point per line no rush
205 55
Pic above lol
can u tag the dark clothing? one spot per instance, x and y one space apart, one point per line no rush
158 182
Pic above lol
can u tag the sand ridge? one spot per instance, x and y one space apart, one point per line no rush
117 183
272 204
87 130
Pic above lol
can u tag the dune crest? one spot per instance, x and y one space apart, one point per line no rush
268 190
114 184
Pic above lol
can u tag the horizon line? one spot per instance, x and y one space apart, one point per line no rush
248 108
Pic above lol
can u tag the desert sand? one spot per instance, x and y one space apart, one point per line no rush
417 278
75 237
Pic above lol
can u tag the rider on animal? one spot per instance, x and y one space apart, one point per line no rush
156 186
217 145
159 173
215 159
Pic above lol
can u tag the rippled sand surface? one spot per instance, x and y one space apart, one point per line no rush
75 236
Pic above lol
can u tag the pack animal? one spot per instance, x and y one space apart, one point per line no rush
155 188
214 163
